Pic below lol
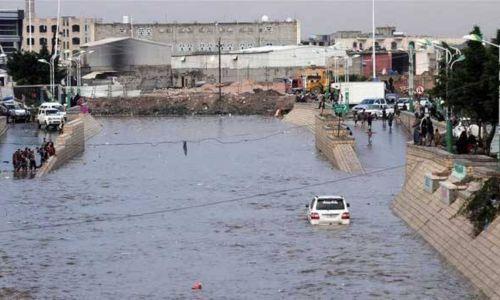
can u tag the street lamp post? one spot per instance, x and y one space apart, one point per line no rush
411 74
51 79
449 62
478 38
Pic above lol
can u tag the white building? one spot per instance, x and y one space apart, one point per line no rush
262 64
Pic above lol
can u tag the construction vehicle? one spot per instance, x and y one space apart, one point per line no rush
314 80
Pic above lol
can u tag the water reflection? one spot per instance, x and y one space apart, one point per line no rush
260 247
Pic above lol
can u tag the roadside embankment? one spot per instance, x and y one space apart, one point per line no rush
336 143
432 195
3 125
302 114
71 143
188 102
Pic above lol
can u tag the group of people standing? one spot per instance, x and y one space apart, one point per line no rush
424 133
24 160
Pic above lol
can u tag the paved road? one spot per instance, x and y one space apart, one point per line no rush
146 221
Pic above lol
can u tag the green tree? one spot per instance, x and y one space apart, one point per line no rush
471 88
25 68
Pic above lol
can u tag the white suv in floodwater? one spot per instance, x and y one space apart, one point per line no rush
328 210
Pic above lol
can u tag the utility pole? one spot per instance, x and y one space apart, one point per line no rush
374 66
411 77
220 74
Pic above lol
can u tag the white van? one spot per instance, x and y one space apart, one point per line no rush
54 105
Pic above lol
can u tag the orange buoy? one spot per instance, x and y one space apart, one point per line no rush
196 286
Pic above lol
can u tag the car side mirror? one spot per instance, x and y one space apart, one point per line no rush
348 205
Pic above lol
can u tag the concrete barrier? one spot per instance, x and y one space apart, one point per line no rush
478 258
3 125
336 144
68 145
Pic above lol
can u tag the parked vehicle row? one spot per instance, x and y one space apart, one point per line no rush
48 115
14 110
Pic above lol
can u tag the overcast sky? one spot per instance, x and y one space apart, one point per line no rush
439 17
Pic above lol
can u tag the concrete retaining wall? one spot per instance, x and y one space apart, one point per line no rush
303 114
337 146
68 145
3 125
478 258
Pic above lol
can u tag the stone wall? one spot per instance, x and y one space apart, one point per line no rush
187 102
337 145
303 114
3 125
478 258
68 145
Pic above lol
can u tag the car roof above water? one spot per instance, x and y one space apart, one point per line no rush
330 197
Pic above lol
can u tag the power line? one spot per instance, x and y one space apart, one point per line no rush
187 207
215 139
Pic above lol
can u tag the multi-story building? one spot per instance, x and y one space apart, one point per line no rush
73 31
391 47
386 38
191 38
11 29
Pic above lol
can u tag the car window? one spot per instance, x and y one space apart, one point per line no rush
52 111
330 204
312 203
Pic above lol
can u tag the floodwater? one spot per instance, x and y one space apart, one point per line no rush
146 221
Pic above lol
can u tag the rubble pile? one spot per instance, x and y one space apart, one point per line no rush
195 102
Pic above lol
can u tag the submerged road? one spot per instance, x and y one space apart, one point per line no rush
146 220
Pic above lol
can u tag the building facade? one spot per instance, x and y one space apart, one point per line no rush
11 30
386 38
73 31
191 38
262 64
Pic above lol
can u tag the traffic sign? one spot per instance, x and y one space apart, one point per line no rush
420 90
340 108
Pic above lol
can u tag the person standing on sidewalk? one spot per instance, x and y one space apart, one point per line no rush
416 130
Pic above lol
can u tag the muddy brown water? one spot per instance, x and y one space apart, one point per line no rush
147 221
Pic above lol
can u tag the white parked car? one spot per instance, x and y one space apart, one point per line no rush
328 210
374 106
17 110
49 117
54 105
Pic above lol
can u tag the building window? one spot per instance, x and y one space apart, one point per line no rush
86 40
354 45
86 27
75 41
30 41
32 29
360 46
53 28
394 45
43 41
411 44
75 28
376 45
42 28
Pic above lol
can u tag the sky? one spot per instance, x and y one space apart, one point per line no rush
440 18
